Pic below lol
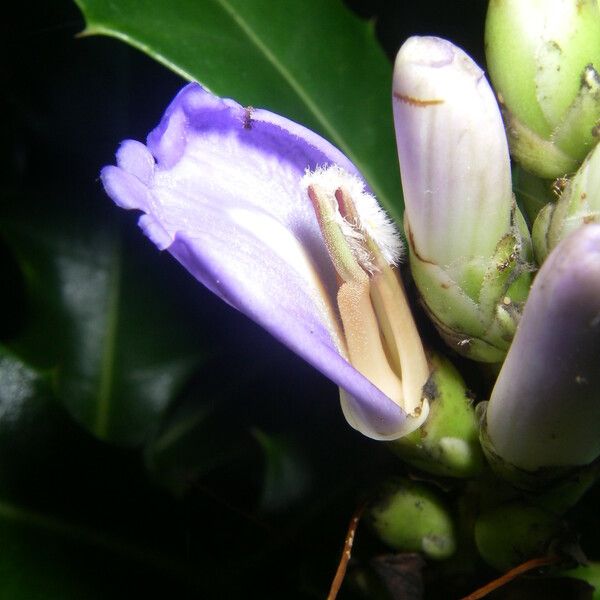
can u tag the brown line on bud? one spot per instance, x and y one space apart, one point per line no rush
417 101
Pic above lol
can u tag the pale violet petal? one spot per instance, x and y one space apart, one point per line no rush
225 198
136 159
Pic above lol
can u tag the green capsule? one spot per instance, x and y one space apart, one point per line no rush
409 517
513 533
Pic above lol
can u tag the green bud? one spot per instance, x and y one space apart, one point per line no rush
447 443
590 573
567 492
513 533
542 56
579 204
409 517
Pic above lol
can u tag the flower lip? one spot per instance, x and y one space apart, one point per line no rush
221 191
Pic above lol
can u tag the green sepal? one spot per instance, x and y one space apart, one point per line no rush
454 314
476 306
554 488
534 153
578 132
447 444
532 192
539 233
409 517
505 269
579 204
533 481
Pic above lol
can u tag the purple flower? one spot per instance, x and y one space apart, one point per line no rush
242 199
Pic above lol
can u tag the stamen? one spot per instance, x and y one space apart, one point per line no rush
346 207
357 238
364 340
370 220
336 239
381 336
401 336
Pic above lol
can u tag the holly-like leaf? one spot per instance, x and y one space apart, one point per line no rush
287 473
69 503
197 438
101 316
310 60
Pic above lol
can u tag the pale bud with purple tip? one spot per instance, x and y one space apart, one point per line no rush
469 246
543 416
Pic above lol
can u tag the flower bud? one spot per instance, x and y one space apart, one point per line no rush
543 416
579 204
409 517
590 573
469 246
543 57
509 534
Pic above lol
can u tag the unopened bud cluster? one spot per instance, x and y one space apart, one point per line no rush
499 289
470 249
